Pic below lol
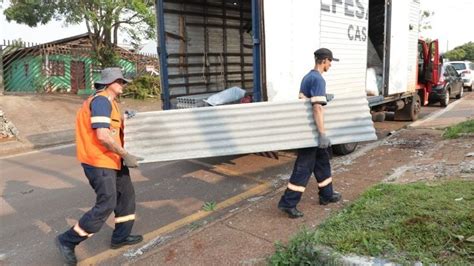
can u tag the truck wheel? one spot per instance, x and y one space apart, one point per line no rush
444 102
343 149
378 116
411 110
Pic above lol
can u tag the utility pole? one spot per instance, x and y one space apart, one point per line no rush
2 88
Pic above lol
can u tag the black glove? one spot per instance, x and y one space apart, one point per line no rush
130 113
131 160
324 141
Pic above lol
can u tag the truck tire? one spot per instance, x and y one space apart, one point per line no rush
343 149
378 116
411 110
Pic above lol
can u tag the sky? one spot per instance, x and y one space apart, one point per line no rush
452 25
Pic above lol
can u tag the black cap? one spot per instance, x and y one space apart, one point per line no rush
324 53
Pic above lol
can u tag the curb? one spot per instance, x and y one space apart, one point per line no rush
15 146
419 123
20 146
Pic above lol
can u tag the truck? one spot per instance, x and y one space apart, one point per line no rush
266 47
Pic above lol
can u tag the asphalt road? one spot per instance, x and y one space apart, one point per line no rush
43 193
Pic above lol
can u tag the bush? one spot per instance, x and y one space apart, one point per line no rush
299 251
143 87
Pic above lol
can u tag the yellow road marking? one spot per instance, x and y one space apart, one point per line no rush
260 189
226 171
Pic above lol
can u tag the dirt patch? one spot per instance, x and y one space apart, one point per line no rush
407 156
170 255
433 158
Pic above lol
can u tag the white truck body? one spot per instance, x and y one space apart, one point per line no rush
295 29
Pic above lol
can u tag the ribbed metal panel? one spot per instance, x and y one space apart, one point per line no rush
344 30
244 128
414 14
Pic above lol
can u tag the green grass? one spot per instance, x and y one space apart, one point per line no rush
209 206
461 128
423 222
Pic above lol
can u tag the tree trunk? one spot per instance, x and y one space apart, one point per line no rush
2 87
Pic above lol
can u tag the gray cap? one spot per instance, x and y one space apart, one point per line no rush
110 75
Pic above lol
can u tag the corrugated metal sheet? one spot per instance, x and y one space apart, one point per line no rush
244 128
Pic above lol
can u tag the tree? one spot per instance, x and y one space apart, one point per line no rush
103 19
424 22
463 52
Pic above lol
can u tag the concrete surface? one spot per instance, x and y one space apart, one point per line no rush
43 193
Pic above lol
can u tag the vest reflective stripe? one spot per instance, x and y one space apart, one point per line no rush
124 219
81 231
89 149
296 188
325 182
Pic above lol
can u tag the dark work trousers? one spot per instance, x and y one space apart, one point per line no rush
309 161
115 193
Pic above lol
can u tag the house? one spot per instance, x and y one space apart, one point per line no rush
65 65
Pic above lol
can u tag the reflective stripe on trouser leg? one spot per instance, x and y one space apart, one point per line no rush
81 232
325 187
296 187
125 209
322 172
71 238
302 169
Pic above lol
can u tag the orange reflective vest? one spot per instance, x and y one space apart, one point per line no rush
89 149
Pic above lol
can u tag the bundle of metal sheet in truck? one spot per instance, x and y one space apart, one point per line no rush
266 47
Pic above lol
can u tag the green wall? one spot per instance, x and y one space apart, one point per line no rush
33 80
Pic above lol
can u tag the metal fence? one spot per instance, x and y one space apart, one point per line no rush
61 67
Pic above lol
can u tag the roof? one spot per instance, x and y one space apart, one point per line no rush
68 39
11 51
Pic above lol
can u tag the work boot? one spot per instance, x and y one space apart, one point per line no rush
130 240
292 212
66 252
336 196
